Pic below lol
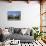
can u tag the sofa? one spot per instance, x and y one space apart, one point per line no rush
22 34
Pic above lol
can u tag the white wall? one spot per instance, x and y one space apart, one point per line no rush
30 14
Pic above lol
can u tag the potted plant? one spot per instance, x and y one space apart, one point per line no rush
37 33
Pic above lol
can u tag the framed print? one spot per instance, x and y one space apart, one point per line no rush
14 15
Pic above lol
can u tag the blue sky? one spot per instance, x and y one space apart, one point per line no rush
14 13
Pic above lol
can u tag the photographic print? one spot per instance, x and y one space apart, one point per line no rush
14 15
